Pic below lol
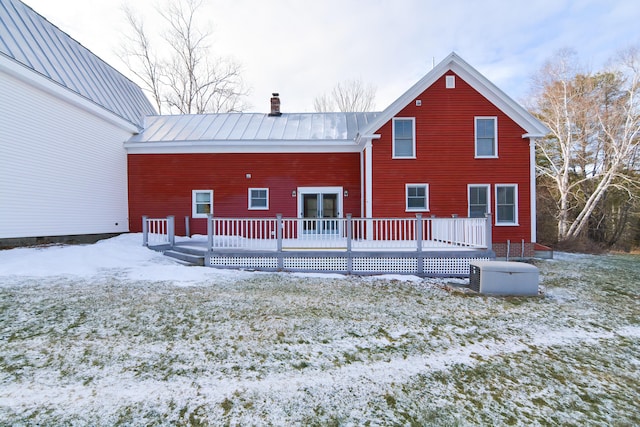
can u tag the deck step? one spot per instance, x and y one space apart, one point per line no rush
188 258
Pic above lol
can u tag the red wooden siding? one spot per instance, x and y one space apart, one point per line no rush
445 160
162 184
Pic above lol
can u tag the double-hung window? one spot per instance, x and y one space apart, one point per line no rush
404 138
417 196
201 203
258 198
486 132
506 204
478 200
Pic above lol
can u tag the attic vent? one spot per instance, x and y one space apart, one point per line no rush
450 82
275 105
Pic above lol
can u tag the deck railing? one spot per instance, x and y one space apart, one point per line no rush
348 233
158 231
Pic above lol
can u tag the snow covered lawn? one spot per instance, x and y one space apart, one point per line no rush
115 334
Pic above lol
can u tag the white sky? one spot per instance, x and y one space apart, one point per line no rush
301 48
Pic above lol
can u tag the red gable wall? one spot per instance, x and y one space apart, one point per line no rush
161 184
445 158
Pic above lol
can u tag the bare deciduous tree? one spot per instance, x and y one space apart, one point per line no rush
187 79
595 128
350 95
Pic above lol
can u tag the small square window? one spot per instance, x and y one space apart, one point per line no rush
417 196
201 203
404 142
450 82
486 141
259 198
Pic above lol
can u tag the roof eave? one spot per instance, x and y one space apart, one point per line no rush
243 146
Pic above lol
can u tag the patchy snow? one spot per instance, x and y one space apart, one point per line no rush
116 334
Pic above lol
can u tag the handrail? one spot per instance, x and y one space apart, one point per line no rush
348 233
158 231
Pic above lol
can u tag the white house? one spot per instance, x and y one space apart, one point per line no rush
64 116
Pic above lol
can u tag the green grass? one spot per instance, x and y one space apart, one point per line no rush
283 349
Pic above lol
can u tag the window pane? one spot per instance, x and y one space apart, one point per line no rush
404 148
203 208
417 197
485 128
506 204
202 198
403 138
485 137
477 211
478 206
485 147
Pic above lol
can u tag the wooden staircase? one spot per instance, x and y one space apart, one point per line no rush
187 256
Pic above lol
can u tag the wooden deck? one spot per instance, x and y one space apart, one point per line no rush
423 247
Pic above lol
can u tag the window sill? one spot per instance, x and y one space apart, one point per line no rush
507 224
416 210
486 157
258 209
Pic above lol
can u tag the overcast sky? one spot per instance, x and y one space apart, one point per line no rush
302 48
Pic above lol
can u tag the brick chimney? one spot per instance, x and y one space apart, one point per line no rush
275 105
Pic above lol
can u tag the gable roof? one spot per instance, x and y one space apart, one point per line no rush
532 126
298 131
30 40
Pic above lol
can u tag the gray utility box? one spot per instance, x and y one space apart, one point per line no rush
503 278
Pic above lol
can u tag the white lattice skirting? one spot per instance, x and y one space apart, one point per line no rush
431 266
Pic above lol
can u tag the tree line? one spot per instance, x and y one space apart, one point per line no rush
588 166
588 176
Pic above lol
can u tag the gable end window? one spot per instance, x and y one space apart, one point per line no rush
258 198
506 204
417 196
404 138
201 203
486 141
479 202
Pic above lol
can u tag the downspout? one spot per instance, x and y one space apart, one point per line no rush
368 180
362 183
532 162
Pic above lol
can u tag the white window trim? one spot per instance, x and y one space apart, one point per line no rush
194 210
495 137
393 137
515 214
257 208
426 197
488 187
450 81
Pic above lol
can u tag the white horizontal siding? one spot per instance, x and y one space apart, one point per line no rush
62 170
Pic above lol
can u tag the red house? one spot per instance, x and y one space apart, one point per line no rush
452 145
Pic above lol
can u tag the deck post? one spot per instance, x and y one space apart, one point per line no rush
171 230
419 232
420 255
210 231
349 237
187 231
279 226
145 231
488 231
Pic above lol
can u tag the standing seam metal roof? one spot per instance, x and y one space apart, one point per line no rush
28 38
254 127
